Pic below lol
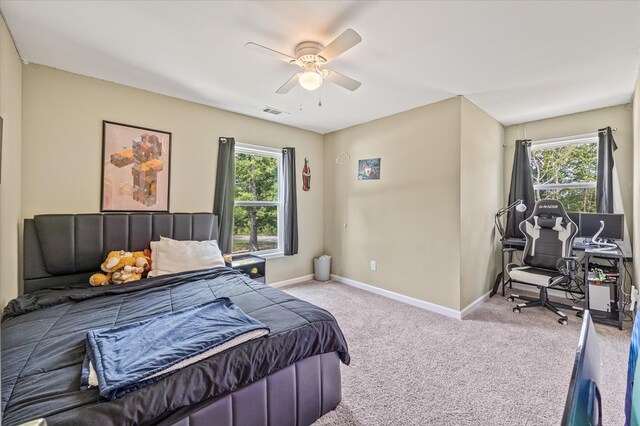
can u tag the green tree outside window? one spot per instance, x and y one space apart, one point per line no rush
255 226
574 168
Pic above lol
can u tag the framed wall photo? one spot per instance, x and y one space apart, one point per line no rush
369 169
136 168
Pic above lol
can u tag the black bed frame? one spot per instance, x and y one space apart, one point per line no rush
65 249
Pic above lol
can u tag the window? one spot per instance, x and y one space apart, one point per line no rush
566 170
257 213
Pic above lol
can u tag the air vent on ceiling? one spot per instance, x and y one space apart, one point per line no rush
273 111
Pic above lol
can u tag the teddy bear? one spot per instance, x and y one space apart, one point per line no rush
122 267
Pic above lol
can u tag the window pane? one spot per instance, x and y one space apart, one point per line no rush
565 164
255 228
256 178
573 199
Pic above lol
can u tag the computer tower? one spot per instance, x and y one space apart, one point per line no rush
600 297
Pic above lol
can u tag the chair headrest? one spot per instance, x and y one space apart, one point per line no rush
548 222
549 210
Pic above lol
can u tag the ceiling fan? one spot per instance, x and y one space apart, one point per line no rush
312 57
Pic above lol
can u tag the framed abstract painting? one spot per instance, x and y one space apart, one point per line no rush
136 168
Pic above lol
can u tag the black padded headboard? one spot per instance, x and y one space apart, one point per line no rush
65 249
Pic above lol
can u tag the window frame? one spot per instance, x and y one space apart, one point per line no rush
276 153
559 143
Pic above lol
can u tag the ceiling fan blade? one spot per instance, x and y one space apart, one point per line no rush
341 44
265 50
341 79
290 84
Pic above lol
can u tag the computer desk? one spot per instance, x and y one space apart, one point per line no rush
509 245
616 257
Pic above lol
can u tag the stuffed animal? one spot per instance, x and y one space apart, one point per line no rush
98 280
143 259
122 267
141 265
117 260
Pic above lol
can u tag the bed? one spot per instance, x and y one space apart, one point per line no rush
291 376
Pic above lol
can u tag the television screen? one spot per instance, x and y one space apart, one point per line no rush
632 399
584 403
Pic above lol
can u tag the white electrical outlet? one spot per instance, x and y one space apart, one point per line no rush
374 265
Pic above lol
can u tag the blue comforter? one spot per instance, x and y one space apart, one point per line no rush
131 356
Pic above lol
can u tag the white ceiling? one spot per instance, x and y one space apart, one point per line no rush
519 61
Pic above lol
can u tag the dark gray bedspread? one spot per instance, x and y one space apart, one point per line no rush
43 346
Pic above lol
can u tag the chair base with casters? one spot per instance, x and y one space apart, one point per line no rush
543 279
543 301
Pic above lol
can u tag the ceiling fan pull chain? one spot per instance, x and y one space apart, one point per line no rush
300 97
320 97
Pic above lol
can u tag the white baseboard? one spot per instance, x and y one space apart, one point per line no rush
291 281
439 309
474 305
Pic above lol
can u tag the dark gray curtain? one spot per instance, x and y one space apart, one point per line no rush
223 198
290 204
521 189
604 185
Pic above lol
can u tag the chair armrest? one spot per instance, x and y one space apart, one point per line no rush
509 252
568 265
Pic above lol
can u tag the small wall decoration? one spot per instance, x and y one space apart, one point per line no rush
306 175
135 168
369 169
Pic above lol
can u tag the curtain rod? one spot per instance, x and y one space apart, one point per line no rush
562 139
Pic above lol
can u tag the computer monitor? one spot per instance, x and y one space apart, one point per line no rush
575 217
613 225
584 402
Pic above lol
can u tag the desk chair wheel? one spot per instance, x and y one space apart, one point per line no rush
510 299
516 309
563 321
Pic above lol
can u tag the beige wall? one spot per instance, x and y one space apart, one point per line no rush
428 221
408 220
62 140
581 123
636 177
480 197
10 186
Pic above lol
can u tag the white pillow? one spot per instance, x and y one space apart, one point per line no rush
170 256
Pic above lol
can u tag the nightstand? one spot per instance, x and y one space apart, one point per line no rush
250 265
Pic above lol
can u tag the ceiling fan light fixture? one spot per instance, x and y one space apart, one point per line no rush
311 78
309 55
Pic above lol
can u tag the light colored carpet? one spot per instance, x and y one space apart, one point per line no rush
413 367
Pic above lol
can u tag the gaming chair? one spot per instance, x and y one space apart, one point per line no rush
547 259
